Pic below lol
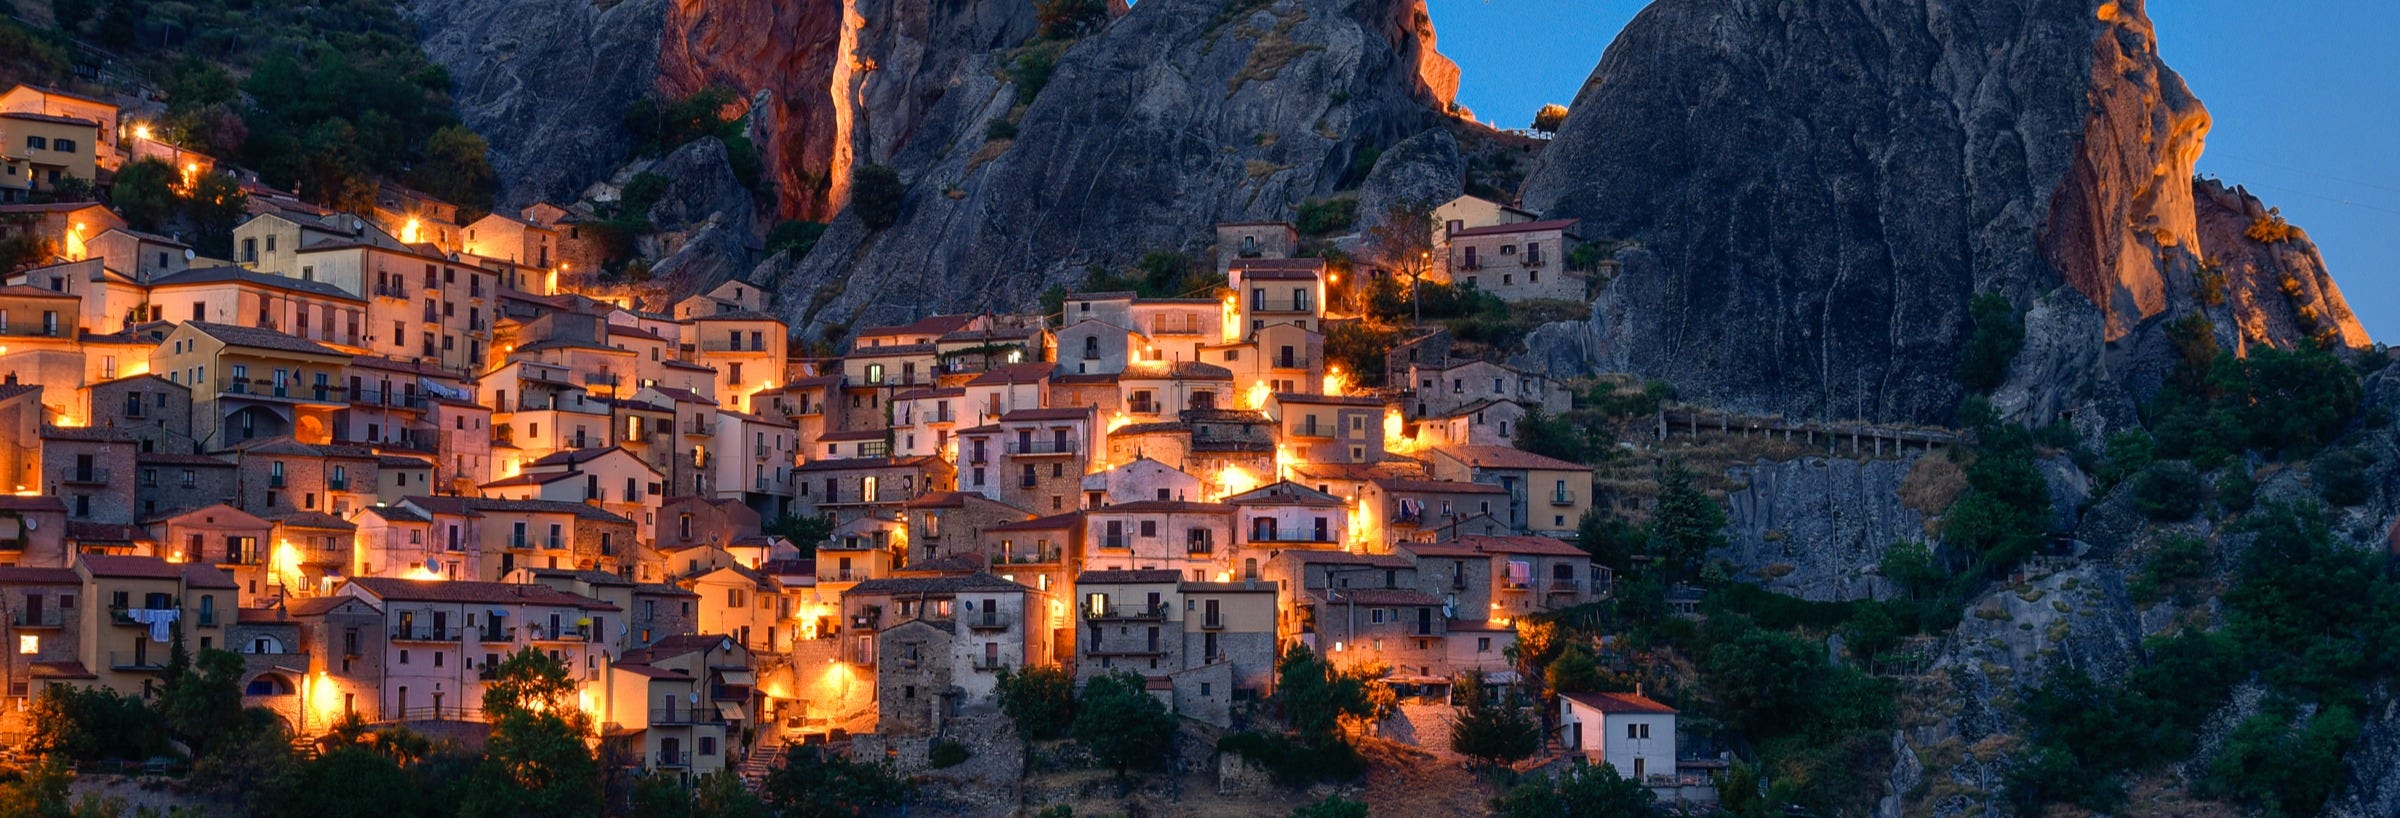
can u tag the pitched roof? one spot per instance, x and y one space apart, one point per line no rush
18 575
1475 545
220 275
478 505
1054 522
1278 268
1063 413
1339 400
1618 702
105 565
261 339
475 593
1379 596
1177 370
1012 373
931 325
60 120
865 463
1403 484
1503 457
1165 506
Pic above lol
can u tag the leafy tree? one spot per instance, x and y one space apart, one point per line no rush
203 703
661 125
1031 72
1041 700
1402 241
2269 765
40 791
1573 671
723 794
803 532
350 781
1334 806
813 783
1765 680
1612 542
1359 347
2128 453
641 193
2168 491
1909 566
1582 791
1320 701
2341 476
145 194
93 723
1871 632
1487 730
1325 217
661 795
536 763
875 195
947 754
1688 523
214 206
457 168
1998 333
1551 435
1122 724
1549 118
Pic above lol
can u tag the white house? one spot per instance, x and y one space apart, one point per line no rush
1628 730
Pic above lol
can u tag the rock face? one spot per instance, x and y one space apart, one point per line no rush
2271 290
1425 168
1818 189
1818 527
1177 115
842 81
546 82
699 185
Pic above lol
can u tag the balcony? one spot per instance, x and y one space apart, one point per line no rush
699 428
1565 586
730 345
1562 498
1115 541
568 633
338 484
496 636
46 618
991 665
393 291
275 481
1028 481
1213 622
1114 652
1312 429
1041 558
1199 548
867 620
1128 614
674 715
1300 305
1187 327
125 616
89 477
674 759
1036 448
990 621
420 633
151 661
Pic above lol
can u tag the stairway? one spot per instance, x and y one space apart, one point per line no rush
762 761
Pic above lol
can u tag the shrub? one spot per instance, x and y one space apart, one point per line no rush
2167 491
1320 217
2341 476
1294 762
641 193
875 195
1123 725
1041 700
1998 331
1583 789
1069 19
999 129
1551 435
1549 118
1493 732
1031 71
2236 490
1333 806
795 237
947 754
2269 227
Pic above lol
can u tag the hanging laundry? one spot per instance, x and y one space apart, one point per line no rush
159 620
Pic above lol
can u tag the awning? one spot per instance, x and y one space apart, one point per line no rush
744 678
732 711
499 612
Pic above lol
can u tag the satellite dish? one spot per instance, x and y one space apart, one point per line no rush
695 696
432 566
188 255
357 224
32 523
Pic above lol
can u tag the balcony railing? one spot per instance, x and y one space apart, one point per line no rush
1115 541
1312 429
125 616
1566 586
674 715
88 476
1562 498
674 759
423 633
694 427
338 484
1282 305
1040 447
496 635
1025 559
1291 535
1213 622
566 633
990 621
275 481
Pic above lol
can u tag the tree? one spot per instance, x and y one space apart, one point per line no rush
1321 702
1998 331
1583 791
815 784
214 206
536 763
723 794
203 703
1688 523
1402 242
1764 679
458 168
40 792
1551 435
1573 671
1069 19
145 194
1041 700
1549 118
1122 724
1611 541
1487 730
349 781
803 532
875 195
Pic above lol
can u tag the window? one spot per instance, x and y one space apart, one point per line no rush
35 143
29 643
867 490
63 145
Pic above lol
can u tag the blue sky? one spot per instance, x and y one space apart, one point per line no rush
2305 98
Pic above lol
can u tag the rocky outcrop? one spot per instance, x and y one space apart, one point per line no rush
1818 527
1175 116
1818 189
545 82
716 252
700 184
1427 168
840 81
2272 290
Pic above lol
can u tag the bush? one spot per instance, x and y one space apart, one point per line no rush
1031 72
2341 476
1123 725
1359 349
999 129
641 193
1322 217
1334 806
795 237
1069 19
1489 731
1582 790
1041 700
1294 762
875 195
947 754
1549 118
1997 333
1551 435
2168 491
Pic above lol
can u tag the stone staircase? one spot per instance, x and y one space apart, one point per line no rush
762 762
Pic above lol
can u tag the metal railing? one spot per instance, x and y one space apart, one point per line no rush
1126 612
1562 498
1291 535
1282 305
90 476
424 633
674 715
566 633
46 618
134 660
1043 447
990 621
496 635
1037 558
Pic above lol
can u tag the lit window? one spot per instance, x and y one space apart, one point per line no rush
29 643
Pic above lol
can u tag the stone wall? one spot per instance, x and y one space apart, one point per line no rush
1818 527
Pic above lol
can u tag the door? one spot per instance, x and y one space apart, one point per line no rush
1424 621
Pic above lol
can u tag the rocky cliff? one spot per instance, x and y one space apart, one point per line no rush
1177 115
545 82
1816 189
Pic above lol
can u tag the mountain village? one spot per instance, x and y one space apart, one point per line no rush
377 453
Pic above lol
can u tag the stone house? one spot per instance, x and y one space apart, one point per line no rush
155 411
1547 496
88 469
1505 577
167 483
951 522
